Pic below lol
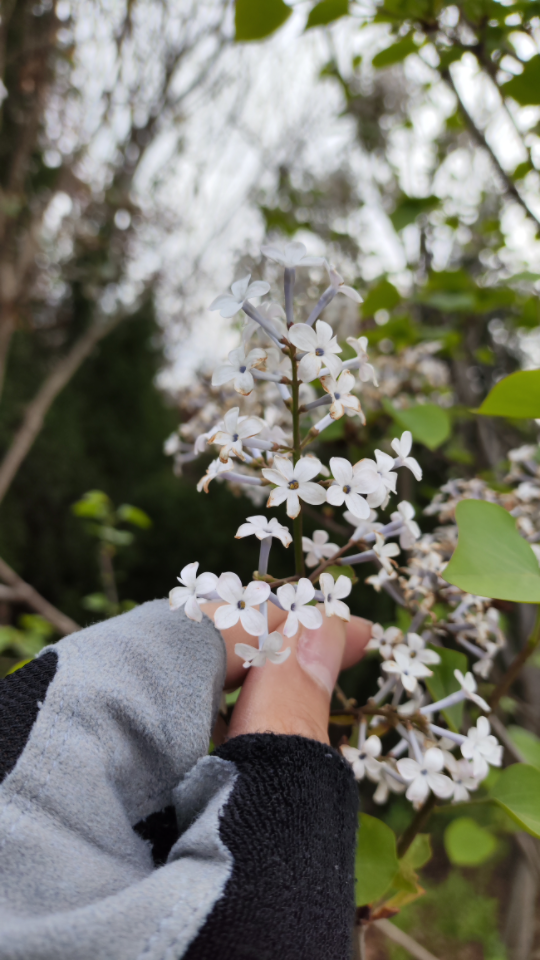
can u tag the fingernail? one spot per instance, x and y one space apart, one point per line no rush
319 654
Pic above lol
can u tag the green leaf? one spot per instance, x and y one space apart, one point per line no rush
527 743
134 515
428 423
443 682
517 396
376 859
94 505
491 558
338 571
526 87
326 12
383 296
395 53
518 792
467 843
257 19
409 208
120 538
419 852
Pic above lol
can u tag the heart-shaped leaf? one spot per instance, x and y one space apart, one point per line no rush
517 790
376 859
257 19
467 843
516 396
491 558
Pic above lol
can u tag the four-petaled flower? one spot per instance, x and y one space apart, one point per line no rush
348 485
234 431
384 552
382 469
402 448
462 774
239 369
263 528
271 649
482 748
343 401
333 593
366 371
320 346
385 641
411 531
425 776
240 604
364 760
468 685
318 549
242 290
409 662
192 592
296 599
294 483
291 255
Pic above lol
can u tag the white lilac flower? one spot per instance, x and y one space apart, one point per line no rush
382 469
370 525
417 648
364 760
377 580
235 430
348 485
192 592
263 528
425 777
384 551
366 371
242 290
271 649
402 448
384 641
343 401
240 604
214 469
269 311
320 347
387 784
482 748
239 369
291 255
294 483
334 593
296 598
318 548
407 666
411 531
336 281
461 772
468 685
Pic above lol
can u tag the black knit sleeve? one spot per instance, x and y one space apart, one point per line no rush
290 826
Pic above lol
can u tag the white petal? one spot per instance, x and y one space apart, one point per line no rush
418 790
342 470
291 625
239 287
285 467
252 621
249 427
343 587
333 363
226 616
244 383
293 504
309 367
280 657
413 466
256 592
274 476
188 574
310 617
305 591
311 493
278 495
335 495
273 252
178 596
193 610
257 289
324 333
244 651
350 292
373 746
229 587
206 582
408 768
306 469
320 537
358 506
441 785
223 374
286 595
303 337
341 610
434 760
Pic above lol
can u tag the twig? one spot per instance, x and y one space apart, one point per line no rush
29 595
515 667
416 825
404 940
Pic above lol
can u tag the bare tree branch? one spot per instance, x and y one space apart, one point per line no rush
23 592
404 940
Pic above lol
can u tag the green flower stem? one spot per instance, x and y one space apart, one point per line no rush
416 825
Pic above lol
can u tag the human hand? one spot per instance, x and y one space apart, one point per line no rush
292 697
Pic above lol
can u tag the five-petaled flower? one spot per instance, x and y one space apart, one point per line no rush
294 483
235 430
320 347
468 685
239 369
364 760
192 592
343 401
263 528
240 604
410 531
291 255
271 649
334 593
348 485
385 551
402 447
425 777
482 748
242 290
296 599
366 371
319 548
